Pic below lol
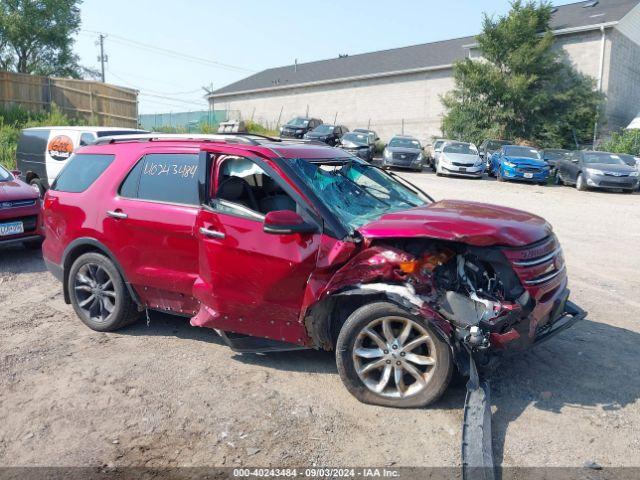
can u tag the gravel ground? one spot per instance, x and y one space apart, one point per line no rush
165 394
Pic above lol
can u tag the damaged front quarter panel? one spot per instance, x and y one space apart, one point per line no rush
381 272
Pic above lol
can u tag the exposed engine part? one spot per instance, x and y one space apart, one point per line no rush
473 292
477 339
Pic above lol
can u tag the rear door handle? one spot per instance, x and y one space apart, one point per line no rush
117 214
211 233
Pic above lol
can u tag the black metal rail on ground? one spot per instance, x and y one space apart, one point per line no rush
477 448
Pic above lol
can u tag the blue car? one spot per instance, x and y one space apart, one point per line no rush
514 162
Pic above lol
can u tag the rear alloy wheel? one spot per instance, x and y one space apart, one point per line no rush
98 293
580 185
388 357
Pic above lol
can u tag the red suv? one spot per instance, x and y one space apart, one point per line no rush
282 245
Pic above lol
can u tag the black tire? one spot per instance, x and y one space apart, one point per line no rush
628 191
580 185
542 184
437 375
37 183
124 309
33 244
557 180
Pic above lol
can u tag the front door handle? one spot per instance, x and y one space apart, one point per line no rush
117 214
211 233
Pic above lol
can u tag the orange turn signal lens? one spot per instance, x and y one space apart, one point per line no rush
409 267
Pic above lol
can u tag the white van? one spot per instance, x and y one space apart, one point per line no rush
43 151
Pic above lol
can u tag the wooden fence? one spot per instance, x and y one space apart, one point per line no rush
95 102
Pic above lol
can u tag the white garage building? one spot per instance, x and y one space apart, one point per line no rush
399 89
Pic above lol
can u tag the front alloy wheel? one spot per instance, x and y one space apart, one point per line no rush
389 357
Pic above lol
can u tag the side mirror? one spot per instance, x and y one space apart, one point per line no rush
283 222
16 173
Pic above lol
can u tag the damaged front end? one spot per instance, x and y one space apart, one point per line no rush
483 300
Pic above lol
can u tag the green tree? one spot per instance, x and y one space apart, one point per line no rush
626 141
521 87
36 37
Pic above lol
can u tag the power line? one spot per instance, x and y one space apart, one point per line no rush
172 53
157 92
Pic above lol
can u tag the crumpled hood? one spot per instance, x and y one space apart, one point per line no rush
473 223
16 190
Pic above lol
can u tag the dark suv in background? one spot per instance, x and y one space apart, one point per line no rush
298 126
489 147
325 133
360 144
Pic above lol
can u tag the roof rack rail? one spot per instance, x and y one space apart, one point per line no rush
232 137
151 137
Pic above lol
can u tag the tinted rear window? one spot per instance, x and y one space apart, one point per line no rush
81 171
164 177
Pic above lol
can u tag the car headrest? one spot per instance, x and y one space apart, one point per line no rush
269 186
232 188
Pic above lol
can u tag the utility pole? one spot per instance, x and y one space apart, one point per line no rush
102 58
210 100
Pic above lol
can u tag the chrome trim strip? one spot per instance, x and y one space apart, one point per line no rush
539 260
546 278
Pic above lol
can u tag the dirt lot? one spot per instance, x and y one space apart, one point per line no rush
167 394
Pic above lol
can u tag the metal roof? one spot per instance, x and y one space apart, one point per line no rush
426 56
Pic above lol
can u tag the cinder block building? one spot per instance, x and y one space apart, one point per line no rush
398 90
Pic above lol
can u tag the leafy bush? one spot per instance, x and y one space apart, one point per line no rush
254 127
626 141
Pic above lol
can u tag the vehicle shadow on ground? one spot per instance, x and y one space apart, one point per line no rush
16 258
164 325
591 366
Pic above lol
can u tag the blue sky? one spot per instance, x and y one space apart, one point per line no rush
250 35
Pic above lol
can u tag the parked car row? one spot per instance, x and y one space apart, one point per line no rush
362 144
505 161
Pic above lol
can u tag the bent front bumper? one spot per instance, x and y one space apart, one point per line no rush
570 315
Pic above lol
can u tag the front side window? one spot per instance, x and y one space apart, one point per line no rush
80 172
354 191
244 188
164 177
